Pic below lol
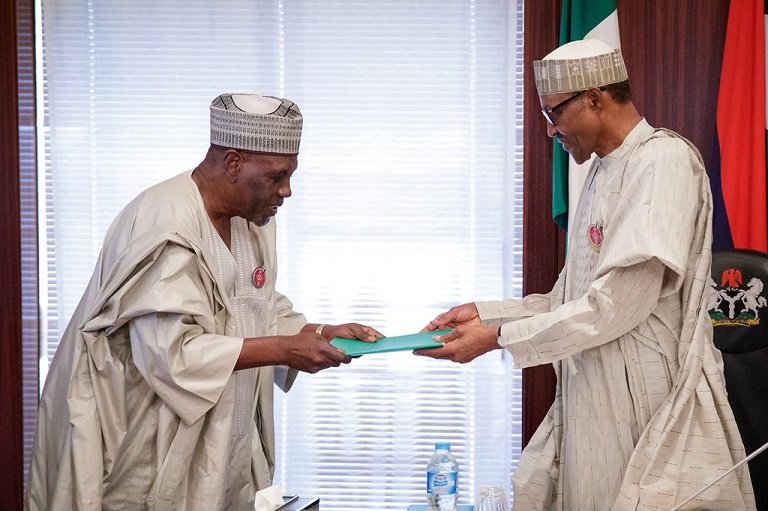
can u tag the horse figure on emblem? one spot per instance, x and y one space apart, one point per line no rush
751 296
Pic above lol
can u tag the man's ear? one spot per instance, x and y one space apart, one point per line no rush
233 160
596 98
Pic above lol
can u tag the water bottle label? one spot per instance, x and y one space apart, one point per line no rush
442 483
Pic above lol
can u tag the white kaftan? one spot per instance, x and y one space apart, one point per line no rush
141 409
640 418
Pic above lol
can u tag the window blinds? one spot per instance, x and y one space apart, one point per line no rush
407 200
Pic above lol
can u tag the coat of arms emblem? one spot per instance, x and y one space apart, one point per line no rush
732 304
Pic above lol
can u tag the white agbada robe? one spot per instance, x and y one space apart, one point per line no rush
141 408
640 418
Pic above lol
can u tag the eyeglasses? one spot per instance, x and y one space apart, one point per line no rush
547 112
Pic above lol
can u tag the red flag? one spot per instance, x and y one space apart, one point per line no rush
741 127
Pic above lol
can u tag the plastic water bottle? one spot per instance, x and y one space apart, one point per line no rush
442 479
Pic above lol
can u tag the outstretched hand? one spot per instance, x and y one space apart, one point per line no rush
465 314
310 352
464 344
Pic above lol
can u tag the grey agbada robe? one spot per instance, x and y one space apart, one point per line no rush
141 408
640 418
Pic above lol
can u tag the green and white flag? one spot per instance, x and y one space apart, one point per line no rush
581 19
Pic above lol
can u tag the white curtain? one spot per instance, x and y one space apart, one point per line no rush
408 199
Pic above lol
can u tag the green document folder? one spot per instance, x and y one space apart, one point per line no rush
354 347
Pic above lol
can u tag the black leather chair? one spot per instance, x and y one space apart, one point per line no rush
739 310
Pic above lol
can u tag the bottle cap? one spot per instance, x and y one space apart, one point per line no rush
442 446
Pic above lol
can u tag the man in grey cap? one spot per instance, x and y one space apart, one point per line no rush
160 393
640 418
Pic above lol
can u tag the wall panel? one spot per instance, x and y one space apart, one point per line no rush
11 444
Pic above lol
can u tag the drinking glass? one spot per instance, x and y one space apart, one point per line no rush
491 498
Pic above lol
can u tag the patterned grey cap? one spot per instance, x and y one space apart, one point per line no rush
577 66
256 123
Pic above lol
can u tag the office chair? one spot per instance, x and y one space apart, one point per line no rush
738 307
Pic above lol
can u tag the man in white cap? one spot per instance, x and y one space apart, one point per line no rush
160 393
640 418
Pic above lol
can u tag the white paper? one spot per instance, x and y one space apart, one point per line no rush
269 499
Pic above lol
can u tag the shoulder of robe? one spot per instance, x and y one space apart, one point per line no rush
677 157
672 141
169 206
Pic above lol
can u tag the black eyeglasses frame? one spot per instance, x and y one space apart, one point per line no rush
547 112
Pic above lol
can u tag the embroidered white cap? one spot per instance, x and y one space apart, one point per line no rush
256 123
577 66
